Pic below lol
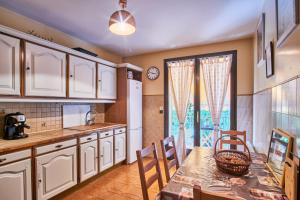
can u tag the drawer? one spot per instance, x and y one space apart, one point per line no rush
10 157
106 134
119 130
90 137
55 146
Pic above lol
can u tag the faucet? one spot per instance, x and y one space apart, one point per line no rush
90 121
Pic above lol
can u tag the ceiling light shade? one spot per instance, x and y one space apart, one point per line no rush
122 22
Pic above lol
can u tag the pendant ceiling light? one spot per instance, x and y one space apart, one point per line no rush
122 22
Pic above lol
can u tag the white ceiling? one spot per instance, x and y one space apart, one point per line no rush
161 24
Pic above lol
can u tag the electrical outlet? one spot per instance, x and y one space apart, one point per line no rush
161 109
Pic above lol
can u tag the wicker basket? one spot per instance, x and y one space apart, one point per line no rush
232 161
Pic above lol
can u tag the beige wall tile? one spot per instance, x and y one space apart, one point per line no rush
43 116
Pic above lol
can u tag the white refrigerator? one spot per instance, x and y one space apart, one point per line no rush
134 119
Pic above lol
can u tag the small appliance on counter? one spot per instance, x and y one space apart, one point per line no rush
14 124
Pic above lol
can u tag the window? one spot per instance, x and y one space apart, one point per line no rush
198 124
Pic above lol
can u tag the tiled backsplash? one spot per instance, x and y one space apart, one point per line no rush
245 115
262 120
44 116
286 109
278 107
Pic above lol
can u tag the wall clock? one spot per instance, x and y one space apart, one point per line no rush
152 73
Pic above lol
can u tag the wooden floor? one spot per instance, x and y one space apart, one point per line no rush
120 183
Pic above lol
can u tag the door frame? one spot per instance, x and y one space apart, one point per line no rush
233 92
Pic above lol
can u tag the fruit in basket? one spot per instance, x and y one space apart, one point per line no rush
227 158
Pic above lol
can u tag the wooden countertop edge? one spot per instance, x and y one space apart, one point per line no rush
46 141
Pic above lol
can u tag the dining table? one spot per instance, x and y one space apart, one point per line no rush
199 168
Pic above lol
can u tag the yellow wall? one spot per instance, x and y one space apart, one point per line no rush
287 58
244 60
25 24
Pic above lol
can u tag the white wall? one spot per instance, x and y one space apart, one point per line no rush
287 66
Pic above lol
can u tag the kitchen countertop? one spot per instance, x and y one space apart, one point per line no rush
46 137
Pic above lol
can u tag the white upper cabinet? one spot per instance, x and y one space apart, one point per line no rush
45 72
82 80
107 82
15 181
9 65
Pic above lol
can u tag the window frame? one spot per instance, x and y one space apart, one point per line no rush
233 92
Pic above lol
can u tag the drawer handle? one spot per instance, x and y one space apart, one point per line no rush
58 146
89 139
106 134
101 156
2 160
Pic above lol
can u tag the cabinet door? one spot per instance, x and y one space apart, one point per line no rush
88 160
45 72
9 65
107 82
56 172
82 80
120 147
15 181
106 153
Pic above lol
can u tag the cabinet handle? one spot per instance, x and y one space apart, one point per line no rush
106 134
28 68
89 139
71 76
2 160
117 149
40 180
101 156
99 80
58 146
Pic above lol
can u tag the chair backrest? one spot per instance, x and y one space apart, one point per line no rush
291 173
231 141
169 156
143 169
203 195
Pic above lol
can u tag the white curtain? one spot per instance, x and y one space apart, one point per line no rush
181 75
216 73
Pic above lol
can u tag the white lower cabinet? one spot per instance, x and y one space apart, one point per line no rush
15 181
88 160
120 147
106 153
56 172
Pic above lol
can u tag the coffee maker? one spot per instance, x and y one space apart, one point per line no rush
14 124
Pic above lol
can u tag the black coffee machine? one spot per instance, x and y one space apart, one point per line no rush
14 126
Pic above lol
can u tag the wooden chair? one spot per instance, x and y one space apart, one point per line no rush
202 195
232 141
146 183
169 154
291 174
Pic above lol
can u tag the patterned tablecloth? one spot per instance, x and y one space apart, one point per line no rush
200 168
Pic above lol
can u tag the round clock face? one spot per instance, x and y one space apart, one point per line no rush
152 73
